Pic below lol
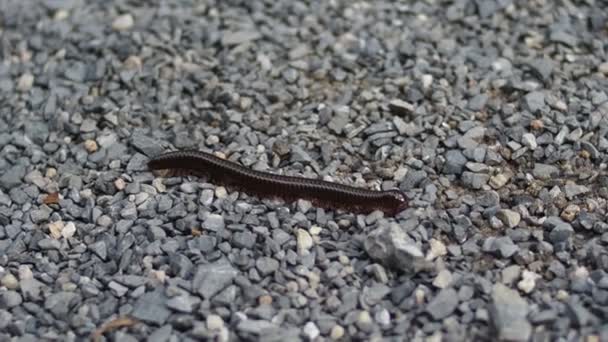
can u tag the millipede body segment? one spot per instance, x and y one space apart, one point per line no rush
268 185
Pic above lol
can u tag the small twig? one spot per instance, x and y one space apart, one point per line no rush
112 325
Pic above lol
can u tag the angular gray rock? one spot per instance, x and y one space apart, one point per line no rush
210 279
544 171
390 245
12 176
454 162
151 307
508 312
534 101
143 143
444 304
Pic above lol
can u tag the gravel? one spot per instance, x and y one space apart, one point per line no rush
491 119
443 305
508 311
509 217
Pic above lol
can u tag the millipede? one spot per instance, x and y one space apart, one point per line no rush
268 185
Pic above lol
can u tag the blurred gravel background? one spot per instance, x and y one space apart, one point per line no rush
492 115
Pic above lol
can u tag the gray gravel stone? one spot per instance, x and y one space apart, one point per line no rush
488 199
529 140
244 240
508 313
561 232
474 180
213 222
117 289
60 303
510 274
88 125
454 162
561 135
337 123
12 176
472 137
146 145
560 36
256 327
400 107
392 246
502 246
183 303
543 67
162 334
5 200
31 288
49 244
151 308
266 265
138 163
239 37
41 215
443 304
100 249
10 299
413 179
534 101
210 279
544 171
579 315
478 102
572 190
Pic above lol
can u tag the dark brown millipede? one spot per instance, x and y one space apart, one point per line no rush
289 188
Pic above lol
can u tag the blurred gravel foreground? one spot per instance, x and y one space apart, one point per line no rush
491 115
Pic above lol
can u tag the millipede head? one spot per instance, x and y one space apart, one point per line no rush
400 198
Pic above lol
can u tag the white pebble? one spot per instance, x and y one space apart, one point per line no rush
56 228
528 281
61 15
9 281
212 140
215 322
220 192
419 295
50 172
304 241
123 22
90 145
119 184
603 68
158 185
427 80
68 230
580 272
562 295
25 272
383 317
437 249
337 332
25 82
315 230
529 140
133 63
498 181
443 279
311 331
